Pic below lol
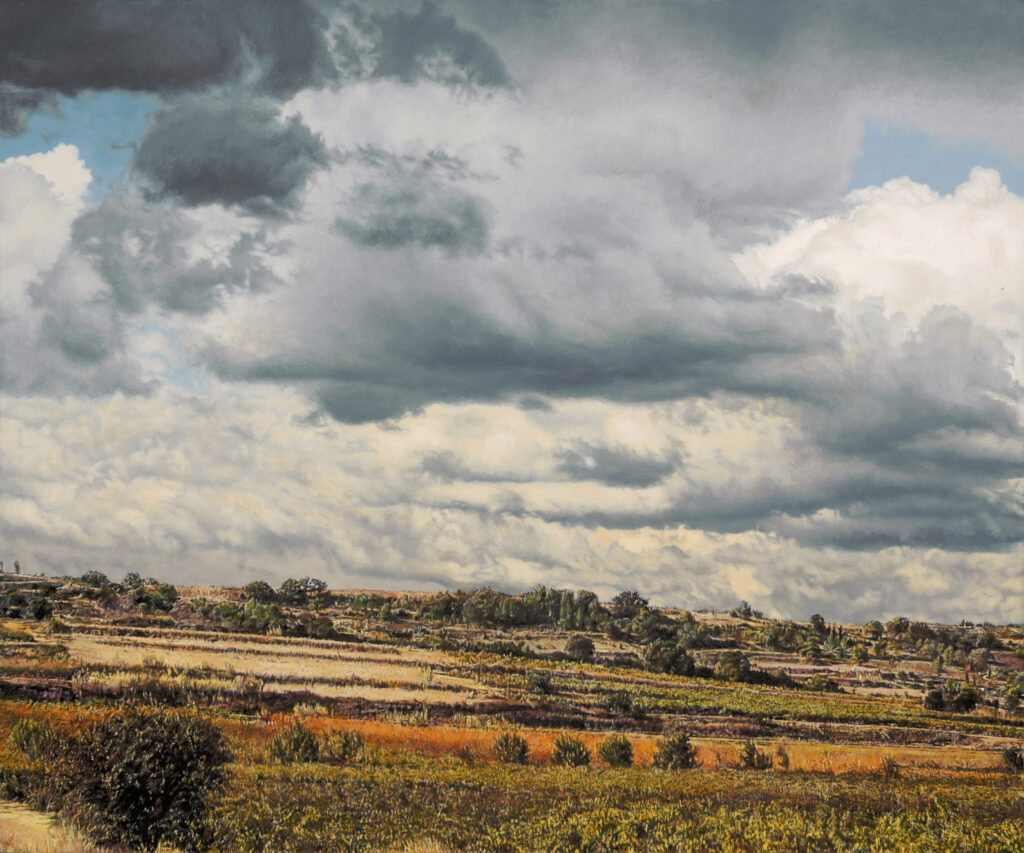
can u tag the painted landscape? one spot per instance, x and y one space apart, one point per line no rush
483 426
477 720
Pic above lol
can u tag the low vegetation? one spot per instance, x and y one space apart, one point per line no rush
300 718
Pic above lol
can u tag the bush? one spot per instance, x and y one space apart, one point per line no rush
142 777
1013 758
511 748
616 751
732 666
821 683
782 757
890 769
570 752
540 682
37 740
675 752
620 703
297 745
580 648
751 758
342 748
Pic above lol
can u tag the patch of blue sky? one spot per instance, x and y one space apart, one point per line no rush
103 126
162 355
889 152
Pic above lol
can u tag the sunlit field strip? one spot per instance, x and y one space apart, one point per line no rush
441 740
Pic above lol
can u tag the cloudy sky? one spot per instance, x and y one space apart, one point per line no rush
714 300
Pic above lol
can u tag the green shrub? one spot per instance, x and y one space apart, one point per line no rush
1013 758
297 745
540 682
580 648
510 748
621 703
675 752
570 752
142 777
37 740
342 748
616 751
751 758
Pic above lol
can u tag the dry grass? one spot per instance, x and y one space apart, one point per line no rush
27 831
446 740
408 678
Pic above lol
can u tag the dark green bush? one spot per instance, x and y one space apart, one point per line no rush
540 682
751 758
570 752
510 748
1013 758
616 751
342 748
142 777
580 648
297 745
675 752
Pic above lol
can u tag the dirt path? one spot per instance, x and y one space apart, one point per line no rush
25 831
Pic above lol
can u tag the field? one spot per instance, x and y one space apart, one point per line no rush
803 735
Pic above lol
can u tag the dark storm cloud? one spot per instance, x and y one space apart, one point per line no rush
17 104
613 466
236 153
430 44
163 46
438 349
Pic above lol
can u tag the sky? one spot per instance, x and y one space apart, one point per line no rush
718 301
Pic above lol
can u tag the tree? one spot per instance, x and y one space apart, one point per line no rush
142 777
580 648
897 626
675 752
751 758
262 591
732 666
628 604
668 658
873 630
818 624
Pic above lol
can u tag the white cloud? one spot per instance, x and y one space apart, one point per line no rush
238 484
912 249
